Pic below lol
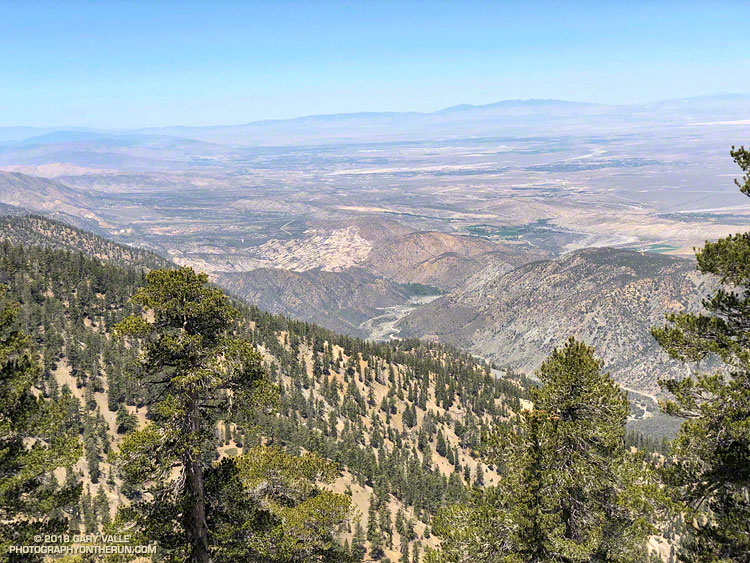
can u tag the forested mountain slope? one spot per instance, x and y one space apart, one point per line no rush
6 209
403 420
35 230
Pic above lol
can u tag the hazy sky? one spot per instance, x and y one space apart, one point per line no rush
154 63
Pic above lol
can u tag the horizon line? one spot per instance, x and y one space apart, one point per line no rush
456 107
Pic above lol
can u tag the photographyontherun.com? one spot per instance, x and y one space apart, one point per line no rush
82 544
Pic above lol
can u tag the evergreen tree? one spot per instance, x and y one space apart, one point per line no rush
92 449
266 506
358 543
440 445
710 470
385 523
374 534
570 491
126 422
196 367
101 505
404 552
90 522
33 443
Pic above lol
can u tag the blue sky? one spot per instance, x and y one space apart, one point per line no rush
132 64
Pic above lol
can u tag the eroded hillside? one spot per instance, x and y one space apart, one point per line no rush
340 301
608 298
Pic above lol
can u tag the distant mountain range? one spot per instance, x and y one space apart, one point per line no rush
509 116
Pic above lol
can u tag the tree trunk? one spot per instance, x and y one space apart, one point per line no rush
196 527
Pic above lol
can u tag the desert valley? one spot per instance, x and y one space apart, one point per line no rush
374 282
442 225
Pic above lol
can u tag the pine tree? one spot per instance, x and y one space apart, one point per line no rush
358 543
479 479
101 504
90 522
126 422
399 522
92 449
404 552
266 506
33 443
374 534
440 446
196 367
710 472
385 523
570 490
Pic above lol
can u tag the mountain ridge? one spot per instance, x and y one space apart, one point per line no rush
606 297
25 132
401 420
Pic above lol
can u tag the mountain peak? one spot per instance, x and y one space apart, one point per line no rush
531 103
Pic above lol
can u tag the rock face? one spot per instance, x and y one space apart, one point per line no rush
609 298
337 300
442 260
342 278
